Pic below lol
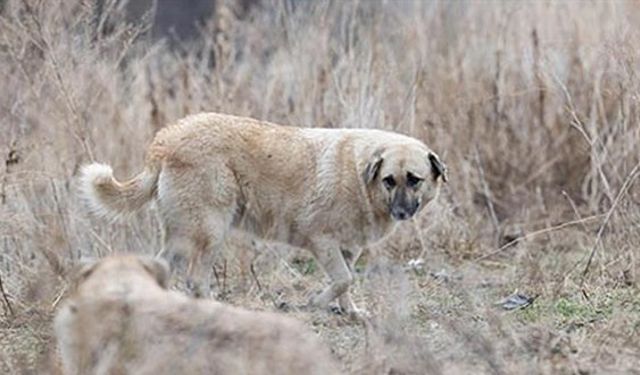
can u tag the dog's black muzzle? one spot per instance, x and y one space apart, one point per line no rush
402 206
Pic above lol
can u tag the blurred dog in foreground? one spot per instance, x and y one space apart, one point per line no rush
327 190
120 319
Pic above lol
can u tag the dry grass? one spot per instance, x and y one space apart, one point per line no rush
535 107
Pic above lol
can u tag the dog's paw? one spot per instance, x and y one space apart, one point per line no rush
358 315
353 313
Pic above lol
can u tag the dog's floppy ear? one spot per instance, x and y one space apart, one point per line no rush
437 167
373 167
158 268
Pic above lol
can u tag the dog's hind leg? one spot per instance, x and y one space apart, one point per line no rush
193 255
208 247
197 209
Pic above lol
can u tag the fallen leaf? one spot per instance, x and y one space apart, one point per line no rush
517 301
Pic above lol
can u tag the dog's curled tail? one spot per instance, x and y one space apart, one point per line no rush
108 197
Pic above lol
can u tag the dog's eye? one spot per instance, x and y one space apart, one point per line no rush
389 182
413 180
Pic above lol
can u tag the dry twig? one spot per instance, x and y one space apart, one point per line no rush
5 299
627 182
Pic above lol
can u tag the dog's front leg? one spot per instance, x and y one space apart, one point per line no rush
334 264
345 302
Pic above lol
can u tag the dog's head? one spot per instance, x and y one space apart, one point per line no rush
97 275
404 178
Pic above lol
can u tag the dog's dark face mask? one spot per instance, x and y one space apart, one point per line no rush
407 178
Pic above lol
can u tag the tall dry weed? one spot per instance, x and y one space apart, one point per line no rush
533 106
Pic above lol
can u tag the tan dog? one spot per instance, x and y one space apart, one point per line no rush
326 190
120 319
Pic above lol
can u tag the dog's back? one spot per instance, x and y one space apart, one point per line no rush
131 325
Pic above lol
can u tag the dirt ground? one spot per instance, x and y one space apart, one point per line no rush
534 107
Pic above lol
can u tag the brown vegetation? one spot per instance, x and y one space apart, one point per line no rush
534 106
